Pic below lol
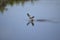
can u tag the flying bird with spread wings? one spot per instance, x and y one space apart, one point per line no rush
31 19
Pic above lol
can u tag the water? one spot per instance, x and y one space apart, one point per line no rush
13 21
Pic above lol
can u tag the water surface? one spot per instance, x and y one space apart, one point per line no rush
13 21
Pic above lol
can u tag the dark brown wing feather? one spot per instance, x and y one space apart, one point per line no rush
32 16
28 15
32 24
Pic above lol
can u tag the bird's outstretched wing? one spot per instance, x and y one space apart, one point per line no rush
32 16
28 23
28 14
32 24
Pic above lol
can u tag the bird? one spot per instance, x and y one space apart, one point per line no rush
31 19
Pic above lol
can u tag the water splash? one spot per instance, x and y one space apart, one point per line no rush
46 20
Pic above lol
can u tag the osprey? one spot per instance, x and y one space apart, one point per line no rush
31 19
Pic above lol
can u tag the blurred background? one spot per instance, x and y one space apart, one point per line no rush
13 16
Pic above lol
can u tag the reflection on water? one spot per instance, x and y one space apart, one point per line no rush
4 3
